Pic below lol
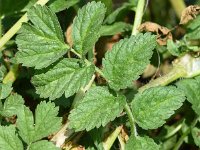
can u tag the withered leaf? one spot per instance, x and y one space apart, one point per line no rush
189 13
163 33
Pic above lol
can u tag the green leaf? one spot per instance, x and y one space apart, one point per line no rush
42 145
5 90
59 5
8 7
195 135
191 89
113 16
152 107
8 139
65 77
45 123
12 105
128 59
141 143
97 108
86 26
42 43
194 29
115 28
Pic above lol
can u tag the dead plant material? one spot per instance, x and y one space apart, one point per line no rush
189 13
163 33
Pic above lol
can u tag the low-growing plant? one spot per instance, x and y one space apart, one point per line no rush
61 92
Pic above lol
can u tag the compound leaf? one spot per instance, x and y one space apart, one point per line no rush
139 143
86 26
41 145
12 104
42 43
45 123
152 107
128 59
97 108
8 139
191 89
65 77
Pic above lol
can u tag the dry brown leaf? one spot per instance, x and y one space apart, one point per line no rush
163 33
189 13
68 35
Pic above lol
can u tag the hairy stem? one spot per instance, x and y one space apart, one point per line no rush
185 134
179 6
174 74
138 16
17 26
131 119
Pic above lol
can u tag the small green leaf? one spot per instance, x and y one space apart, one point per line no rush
45 123
115 28
97 108
8 139
195 135
152 107
141 143
59 5
42 43
128 59
86 26
12 105
5 90
191 89
42 145
113 16
65 77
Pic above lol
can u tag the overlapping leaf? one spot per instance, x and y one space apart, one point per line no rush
46 122
86 26
97 108
40 43
152 107
65 77
128 59
42 145
141 143
8 139
5 90
191 89
12 105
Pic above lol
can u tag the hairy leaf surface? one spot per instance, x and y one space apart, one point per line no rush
5 90
42 145
86 26
128 59
40 43
12 105
97 108
65 77
141 143
9 139
152 107
191 89
45 122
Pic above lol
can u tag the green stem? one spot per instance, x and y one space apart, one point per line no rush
17 26
11 76
88 63
185 134
138 16
111 138
174 74
179 6
131 120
